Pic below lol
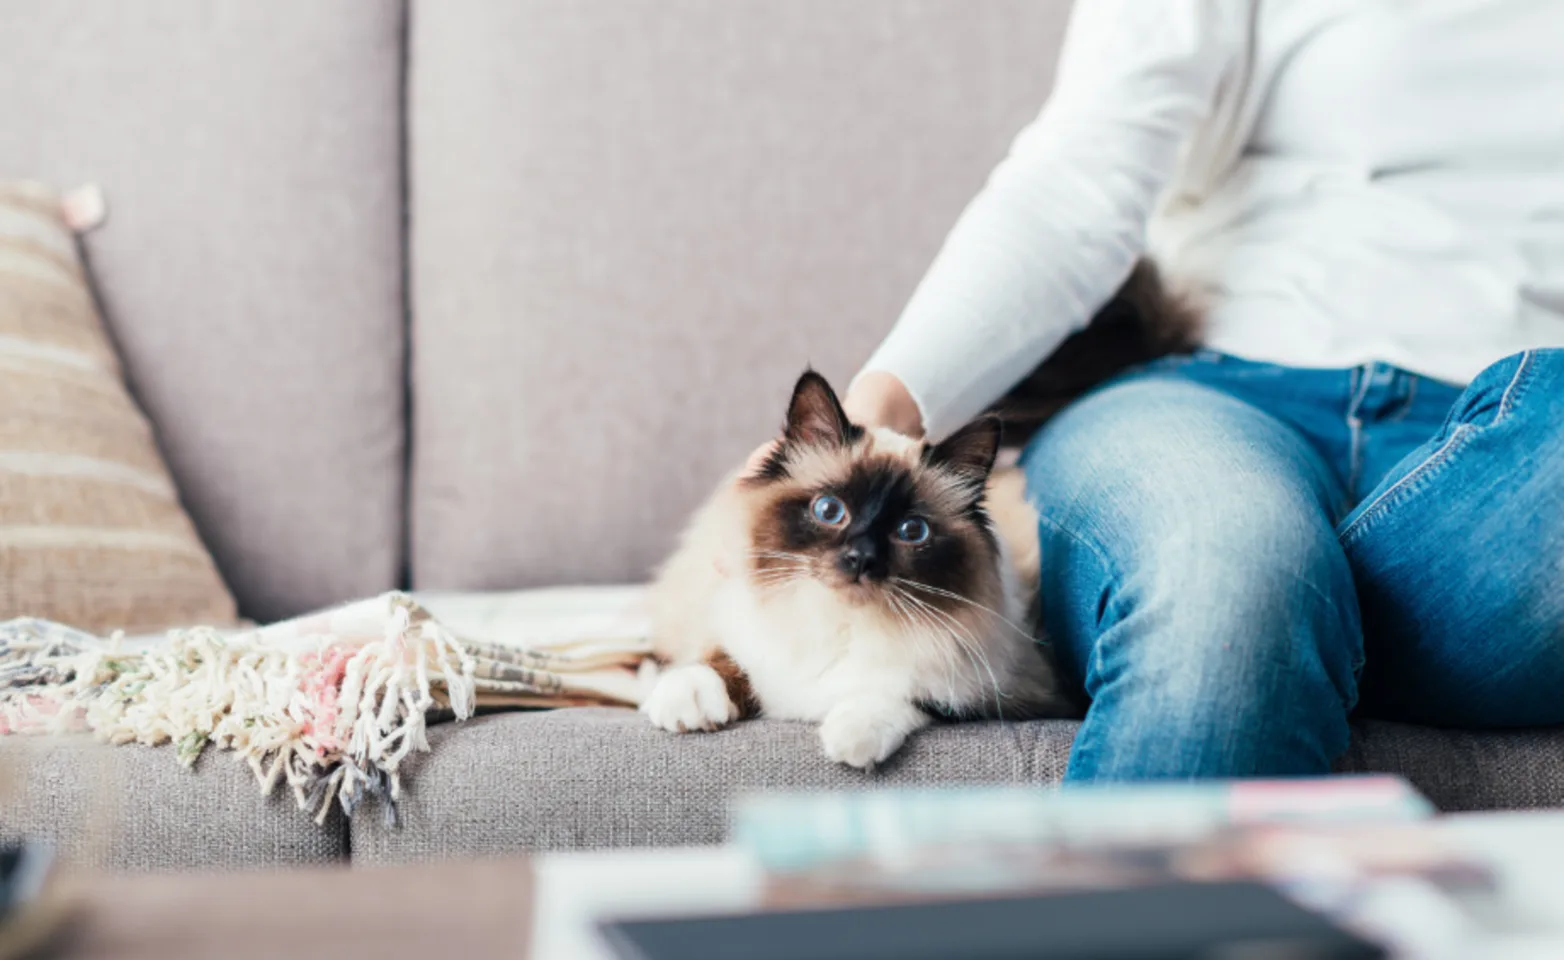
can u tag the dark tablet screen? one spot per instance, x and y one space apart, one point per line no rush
1209 921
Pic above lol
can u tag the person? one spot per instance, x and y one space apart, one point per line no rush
1353 496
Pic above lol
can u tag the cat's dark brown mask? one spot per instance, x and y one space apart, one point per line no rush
872 513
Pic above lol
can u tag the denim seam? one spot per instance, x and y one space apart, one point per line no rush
1101 556
1418 478
1406 486
1406 403
1362 382
1517 386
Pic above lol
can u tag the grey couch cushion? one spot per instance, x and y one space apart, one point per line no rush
1465 770
135 808
573 779
251 265
603 777
599 777
635 221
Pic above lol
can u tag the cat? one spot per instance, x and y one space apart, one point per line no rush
870 582
858 579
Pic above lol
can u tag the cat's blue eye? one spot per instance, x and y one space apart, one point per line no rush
913 530
829 510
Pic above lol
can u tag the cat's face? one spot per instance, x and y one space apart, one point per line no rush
873 516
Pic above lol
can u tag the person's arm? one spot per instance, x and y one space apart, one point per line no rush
1062 219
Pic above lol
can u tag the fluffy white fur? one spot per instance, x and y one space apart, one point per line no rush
860 670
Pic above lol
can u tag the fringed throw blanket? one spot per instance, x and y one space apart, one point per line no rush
331 703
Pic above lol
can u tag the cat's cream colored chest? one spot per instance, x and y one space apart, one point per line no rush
805 652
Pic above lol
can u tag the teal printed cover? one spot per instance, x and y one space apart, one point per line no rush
796 832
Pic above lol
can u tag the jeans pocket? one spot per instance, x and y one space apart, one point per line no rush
1485 403
1410 482
1493 393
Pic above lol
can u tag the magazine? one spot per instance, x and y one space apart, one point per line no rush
791 832
1363 850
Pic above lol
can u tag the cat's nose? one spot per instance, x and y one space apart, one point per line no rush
861 560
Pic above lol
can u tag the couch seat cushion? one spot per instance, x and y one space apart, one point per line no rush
135 808
602 777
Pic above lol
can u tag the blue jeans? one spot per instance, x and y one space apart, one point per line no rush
1237 555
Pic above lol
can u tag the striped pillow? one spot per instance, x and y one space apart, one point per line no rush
91 530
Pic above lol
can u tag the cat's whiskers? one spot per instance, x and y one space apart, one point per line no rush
949 595
963 633
914 629
778 555
924 644
968 643
779 579
787 559
784 568
793 567
949 656
952 657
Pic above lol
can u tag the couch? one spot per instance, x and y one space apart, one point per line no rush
484 294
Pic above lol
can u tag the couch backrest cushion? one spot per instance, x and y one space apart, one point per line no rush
635 221
250 268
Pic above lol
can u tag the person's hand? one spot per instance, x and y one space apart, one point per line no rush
875 400
879 399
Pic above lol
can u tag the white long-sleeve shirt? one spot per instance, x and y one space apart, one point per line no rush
1341 181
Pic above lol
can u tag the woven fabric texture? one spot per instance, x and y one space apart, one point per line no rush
603 777
92 532
135 808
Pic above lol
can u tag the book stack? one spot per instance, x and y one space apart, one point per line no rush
1364 852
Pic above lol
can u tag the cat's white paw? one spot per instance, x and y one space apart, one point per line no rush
863 733
689 698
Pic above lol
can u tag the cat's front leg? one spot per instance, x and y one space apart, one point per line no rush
700 696
865 730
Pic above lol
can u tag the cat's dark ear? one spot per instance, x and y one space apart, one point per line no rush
969 452
815 416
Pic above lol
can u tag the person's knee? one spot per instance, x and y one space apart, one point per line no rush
1192 563
1233 611
1230 652
1166 512
1154 454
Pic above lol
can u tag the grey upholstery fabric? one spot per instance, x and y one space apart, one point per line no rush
601 778
586 778
635 222
574 779
250 269
136 808
1463 770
